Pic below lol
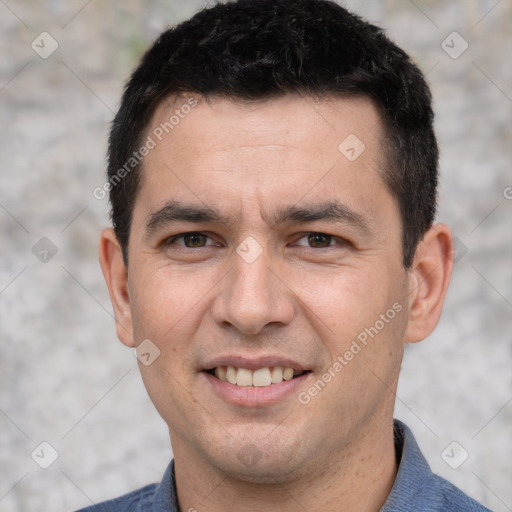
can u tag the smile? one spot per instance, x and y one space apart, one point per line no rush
260 377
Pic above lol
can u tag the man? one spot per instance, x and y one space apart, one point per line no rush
272 174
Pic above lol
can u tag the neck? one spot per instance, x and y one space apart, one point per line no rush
357 479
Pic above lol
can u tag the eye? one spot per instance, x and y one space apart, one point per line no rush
191 240
319 240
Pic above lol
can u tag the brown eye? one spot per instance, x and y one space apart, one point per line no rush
319 240
191 240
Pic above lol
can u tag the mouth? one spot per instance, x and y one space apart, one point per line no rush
260 377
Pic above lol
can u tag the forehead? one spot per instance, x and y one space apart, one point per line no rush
293 121
263 152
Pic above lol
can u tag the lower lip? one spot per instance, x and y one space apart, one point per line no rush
252 396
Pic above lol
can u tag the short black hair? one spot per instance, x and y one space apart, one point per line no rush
258 49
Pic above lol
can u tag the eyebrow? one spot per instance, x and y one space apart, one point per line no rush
332 212
175 211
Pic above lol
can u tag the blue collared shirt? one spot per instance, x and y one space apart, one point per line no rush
416 488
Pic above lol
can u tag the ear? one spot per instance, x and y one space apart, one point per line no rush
116 276
429 277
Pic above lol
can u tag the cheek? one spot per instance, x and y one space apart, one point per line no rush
361 317
166 309
165 301
349 300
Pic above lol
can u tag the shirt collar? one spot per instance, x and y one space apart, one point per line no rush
166 497
414 473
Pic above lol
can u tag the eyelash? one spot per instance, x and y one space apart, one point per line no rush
171 240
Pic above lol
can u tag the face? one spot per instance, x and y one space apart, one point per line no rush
264 247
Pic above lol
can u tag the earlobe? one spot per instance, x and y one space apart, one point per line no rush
429 277
116 276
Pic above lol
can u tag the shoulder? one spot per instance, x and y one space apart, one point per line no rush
154 497
449 497
417 488
134 501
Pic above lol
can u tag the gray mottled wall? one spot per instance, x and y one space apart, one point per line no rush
64 377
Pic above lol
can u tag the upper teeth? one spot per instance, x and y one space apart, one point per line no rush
260 377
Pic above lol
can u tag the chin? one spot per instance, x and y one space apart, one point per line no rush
268 471
262 462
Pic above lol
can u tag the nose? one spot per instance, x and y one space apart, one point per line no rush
252 296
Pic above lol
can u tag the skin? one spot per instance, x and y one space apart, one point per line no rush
298 299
